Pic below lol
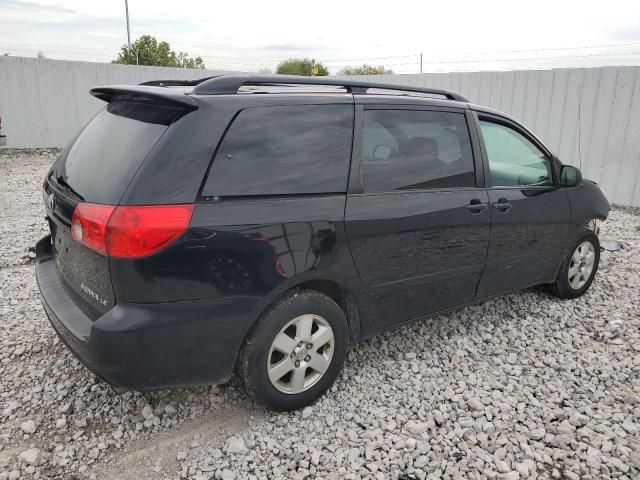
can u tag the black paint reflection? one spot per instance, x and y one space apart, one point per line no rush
249 260
418 252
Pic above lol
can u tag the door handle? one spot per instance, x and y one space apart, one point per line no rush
502 205
476 206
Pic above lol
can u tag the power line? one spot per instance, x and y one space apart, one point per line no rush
610 45
417 55
485 60
249 61
334 60
49 47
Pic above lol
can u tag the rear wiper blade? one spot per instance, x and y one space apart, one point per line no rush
62 182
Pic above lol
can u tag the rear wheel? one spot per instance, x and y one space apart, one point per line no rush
579 268
295 351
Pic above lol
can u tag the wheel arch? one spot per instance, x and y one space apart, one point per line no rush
354 308
344 298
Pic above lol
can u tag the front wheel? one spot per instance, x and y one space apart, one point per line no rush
579 268
295 351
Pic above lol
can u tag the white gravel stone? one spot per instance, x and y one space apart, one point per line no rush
235 445
475 404
509 476
29 426
630 427
228 474
522 469
537 434
416 428
147 412
421 461
31 456
502 466
565 428
353 454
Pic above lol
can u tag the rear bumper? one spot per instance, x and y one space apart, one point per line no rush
146 346
3 140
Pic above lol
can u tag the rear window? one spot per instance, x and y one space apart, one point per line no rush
415 150
111 148
284 150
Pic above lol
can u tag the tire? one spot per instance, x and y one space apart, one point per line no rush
267 362
565 288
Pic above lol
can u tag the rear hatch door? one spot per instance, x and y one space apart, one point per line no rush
85 271
97 168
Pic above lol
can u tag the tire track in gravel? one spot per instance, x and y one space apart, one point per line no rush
156 457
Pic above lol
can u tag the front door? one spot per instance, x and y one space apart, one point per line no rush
419 227
530 213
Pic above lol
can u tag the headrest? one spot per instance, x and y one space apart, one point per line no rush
422 147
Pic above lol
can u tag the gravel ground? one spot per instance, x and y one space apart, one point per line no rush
524 386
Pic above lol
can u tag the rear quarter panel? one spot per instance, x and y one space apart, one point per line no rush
250 248
174 170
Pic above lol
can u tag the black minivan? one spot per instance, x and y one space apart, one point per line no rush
264 223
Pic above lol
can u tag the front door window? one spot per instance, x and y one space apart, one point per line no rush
513 159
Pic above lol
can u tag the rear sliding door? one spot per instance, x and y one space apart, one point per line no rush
417 219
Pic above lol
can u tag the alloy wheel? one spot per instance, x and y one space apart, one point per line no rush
300 354
581 265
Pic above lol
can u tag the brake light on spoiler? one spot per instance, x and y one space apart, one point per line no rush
129 231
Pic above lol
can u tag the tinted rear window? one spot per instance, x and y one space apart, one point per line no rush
107 153
415 150
284 150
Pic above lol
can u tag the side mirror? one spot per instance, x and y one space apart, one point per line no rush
382 152
570 176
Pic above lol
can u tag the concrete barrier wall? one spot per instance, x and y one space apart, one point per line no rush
43 103
589 117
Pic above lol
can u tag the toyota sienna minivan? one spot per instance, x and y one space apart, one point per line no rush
262 224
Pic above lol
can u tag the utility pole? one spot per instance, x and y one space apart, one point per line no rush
126 9
420 63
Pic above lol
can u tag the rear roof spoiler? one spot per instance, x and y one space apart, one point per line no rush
163 96
176 83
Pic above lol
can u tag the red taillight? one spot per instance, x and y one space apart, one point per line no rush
129 232
89 225
135 232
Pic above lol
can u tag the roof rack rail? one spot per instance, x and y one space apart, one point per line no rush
229 84
175 83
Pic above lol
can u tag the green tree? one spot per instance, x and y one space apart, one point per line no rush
146 50
185 61
365 70
301 66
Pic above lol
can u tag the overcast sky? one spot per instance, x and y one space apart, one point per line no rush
253 34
